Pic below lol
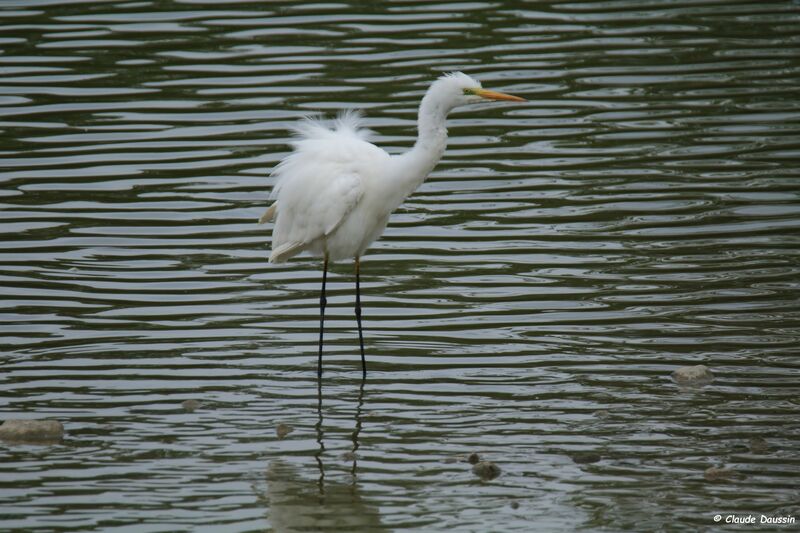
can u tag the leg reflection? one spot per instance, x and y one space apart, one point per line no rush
357 429
297 502
320 441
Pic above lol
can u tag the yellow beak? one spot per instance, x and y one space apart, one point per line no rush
494 95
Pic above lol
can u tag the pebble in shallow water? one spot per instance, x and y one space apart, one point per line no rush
486 470
190 405
282 430
758 445
715 473
693 375
584 458
348 456
32 431
472 458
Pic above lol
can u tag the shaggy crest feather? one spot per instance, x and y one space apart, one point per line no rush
315 135
348 121
461 78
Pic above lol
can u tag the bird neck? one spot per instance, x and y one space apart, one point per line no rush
417 163
431 133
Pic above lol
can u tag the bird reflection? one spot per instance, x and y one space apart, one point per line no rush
356 429
320 439
299 504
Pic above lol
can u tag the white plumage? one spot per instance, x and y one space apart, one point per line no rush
335 192
321 185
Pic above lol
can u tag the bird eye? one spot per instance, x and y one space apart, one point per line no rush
467 92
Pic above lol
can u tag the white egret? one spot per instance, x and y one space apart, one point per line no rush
334 193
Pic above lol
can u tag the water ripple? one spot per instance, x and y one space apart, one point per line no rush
528 303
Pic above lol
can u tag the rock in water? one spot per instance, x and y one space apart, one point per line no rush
486 470
758 445
718 474
585 458
282 430
32 431
190 405
693 375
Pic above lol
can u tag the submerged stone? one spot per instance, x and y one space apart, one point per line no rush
472 458
282 430
583 458
486 470
348 456
190 405
32 431
693 375
758 445
715 473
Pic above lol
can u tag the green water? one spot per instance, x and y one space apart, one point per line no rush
528 303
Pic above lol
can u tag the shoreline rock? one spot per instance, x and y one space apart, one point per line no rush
40 432
693 375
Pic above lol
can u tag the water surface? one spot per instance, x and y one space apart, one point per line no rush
528 303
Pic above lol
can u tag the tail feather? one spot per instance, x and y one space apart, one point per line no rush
270 214
285 251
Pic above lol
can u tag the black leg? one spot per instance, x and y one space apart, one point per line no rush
322 302
358 318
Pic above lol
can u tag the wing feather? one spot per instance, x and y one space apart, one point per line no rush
312 213
319 183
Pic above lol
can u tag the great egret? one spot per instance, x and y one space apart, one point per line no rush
334 193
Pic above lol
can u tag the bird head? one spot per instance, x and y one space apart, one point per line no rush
459 89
